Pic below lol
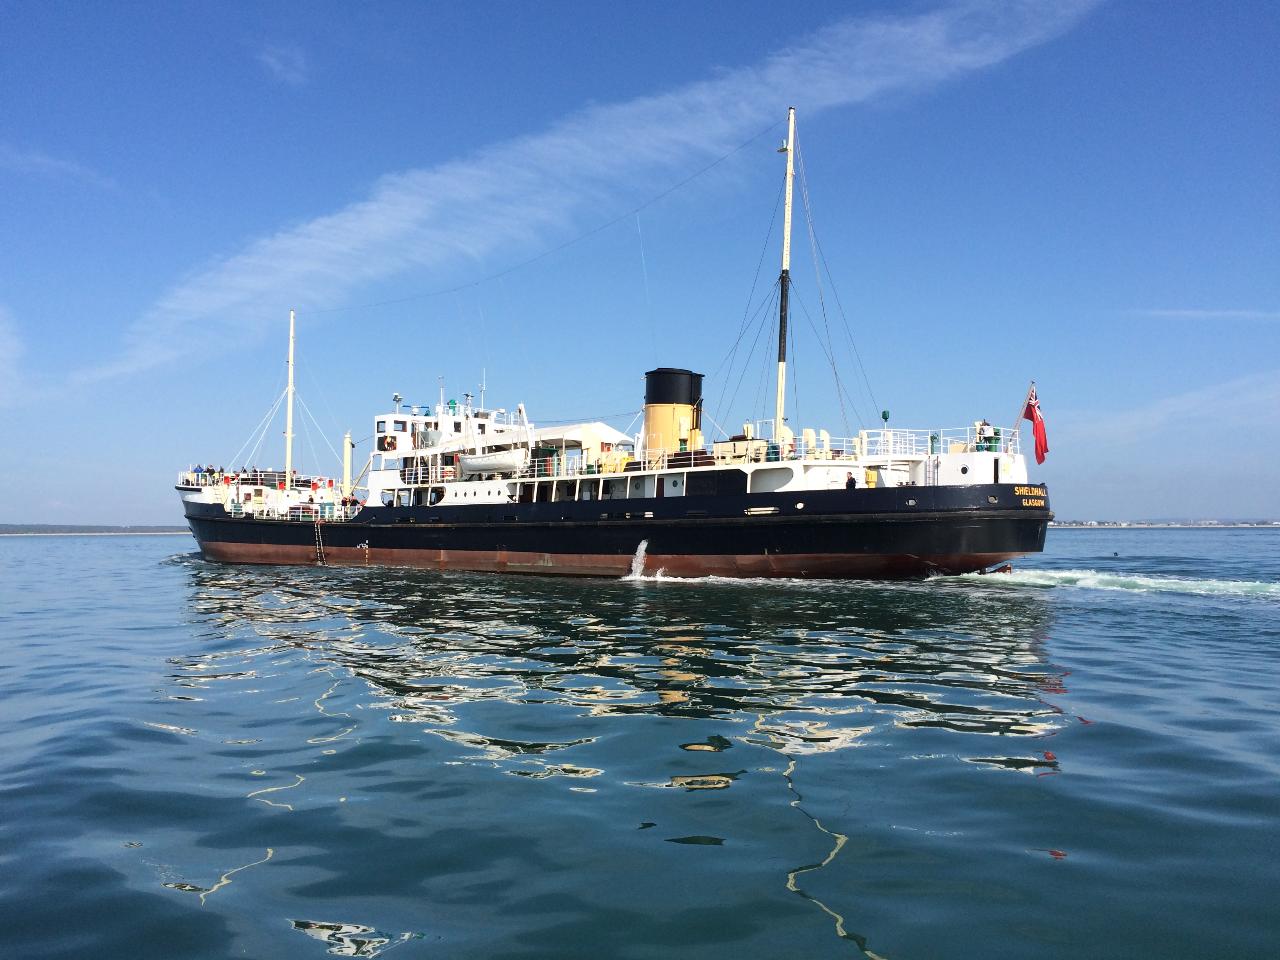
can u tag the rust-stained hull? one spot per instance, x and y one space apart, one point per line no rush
881 533
839 566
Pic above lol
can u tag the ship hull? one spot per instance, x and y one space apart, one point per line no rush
891 533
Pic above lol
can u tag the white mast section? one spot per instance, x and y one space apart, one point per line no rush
347 446
288 417
785 280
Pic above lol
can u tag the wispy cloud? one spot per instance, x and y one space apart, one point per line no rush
534 190
288 64
1223 314
40 164
1252 400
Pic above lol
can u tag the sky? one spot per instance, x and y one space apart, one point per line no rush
556 197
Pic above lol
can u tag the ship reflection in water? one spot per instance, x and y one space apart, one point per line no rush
701 714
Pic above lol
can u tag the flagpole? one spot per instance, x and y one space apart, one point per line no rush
1017 424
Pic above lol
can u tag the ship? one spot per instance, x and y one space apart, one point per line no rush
459 486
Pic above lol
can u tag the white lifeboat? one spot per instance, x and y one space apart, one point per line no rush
495 461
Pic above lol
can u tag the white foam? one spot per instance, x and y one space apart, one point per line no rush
1133 582
661 576
637 563
1078 579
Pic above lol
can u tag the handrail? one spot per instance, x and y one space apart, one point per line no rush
309 512
251 478
888 442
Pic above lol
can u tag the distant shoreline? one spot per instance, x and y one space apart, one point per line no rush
97 533
1165 526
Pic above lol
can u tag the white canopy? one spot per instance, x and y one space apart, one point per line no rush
584 435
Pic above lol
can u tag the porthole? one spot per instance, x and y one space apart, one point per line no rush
964 469
911 503
800 505
993 499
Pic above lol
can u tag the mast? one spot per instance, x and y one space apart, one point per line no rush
784 280
288 417
347 446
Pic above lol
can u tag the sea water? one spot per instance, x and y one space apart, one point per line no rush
1081 759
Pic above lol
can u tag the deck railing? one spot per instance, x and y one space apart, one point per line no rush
309 512
886 443
869 444
248 478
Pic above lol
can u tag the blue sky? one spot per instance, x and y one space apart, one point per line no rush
1082 193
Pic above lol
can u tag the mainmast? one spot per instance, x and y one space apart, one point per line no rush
784 279
288 417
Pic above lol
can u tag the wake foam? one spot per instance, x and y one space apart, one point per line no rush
1132 582
1079 579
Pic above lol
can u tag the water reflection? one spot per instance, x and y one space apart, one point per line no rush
350 939
535 678
813 666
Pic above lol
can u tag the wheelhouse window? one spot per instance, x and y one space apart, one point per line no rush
401 426
382 426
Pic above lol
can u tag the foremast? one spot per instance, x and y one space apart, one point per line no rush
784 279
288 416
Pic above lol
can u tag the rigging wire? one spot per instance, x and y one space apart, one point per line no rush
793 356
648 302
633 421
763 312
842 391
266 419
835 293
324 397
746 310
601 417
760 404
723 431
747 318
484 338
253 454
306 435
567 243
822 303
262 426
319 429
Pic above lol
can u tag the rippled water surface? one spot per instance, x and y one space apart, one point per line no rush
1078 760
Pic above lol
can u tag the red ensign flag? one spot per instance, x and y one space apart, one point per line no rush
1032 413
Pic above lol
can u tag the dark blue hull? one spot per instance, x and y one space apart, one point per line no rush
891 532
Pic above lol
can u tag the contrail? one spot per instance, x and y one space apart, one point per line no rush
539 188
